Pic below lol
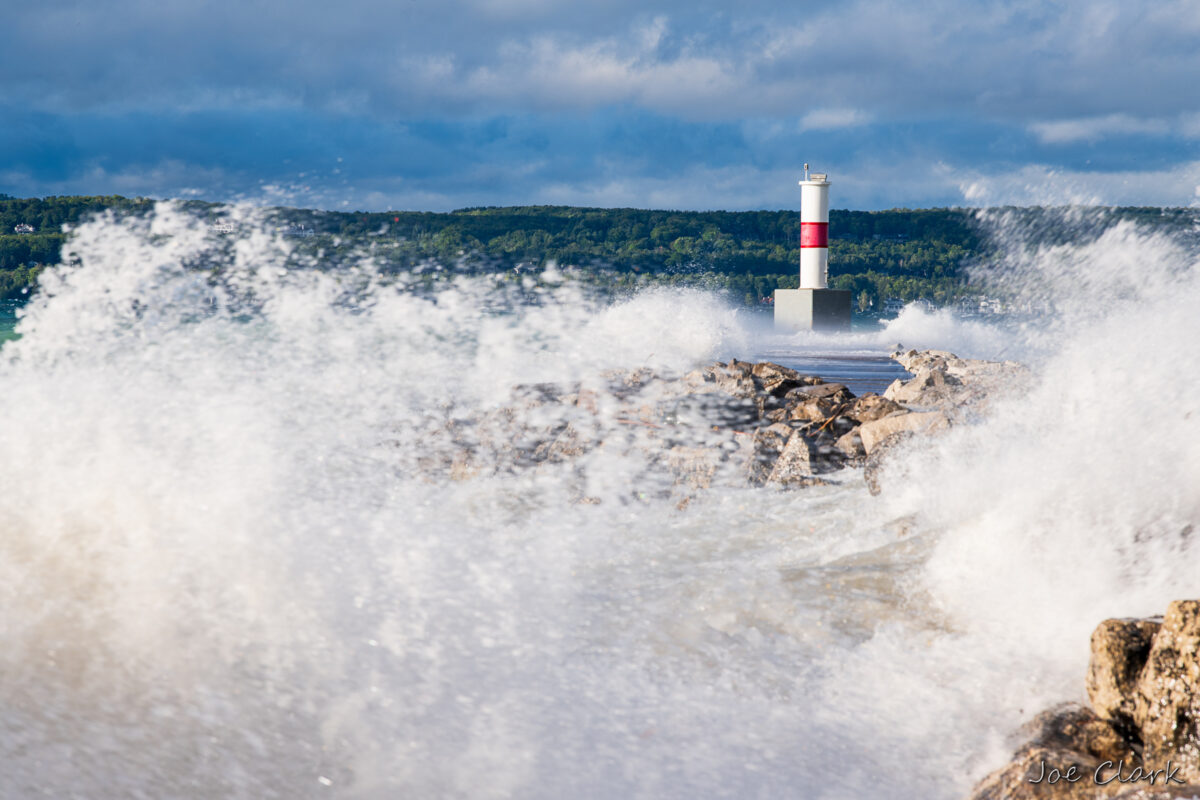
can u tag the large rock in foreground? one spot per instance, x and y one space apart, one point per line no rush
1140 741
1065 746
1166 697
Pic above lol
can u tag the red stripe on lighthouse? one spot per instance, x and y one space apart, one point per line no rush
814 234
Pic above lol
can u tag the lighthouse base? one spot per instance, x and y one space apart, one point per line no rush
812 310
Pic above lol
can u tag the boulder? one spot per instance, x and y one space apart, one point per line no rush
737 384
874 462
871 407
623 383
943 380
1163 793
693 467
850 445
532 395
711 405
778 415
1144 681
1166 700
562 444
779 380
767 444
811 409
928 387
836 392
876 431
1071 739
817 402
1120 648
795 464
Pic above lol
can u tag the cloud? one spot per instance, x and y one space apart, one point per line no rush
1189 126
1021 61
164 179
557 72
468 101
1091 129
833 118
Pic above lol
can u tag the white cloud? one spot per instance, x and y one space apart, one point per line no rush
833 118
1092 129
1189 126
552 72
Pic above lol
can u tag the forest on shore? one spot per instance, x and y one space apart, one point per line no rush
897 254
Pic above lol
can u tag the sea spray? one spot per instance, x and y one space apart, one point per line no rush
1078 493
227 574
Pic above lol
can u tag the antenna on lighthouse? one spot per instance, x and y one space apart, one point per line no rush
805 170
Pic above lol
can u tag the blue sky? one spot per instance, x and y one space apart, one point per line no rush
410 104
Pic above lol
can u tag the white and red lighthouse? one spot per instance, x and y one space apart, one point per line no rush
814 306
814 231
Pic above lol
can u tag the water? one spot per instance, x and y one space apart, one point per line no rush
8 319
227 574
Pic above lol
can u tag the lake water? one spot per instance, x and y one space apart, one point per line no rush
8 319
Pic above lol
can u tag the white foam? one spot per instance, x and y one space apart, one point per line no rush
223 574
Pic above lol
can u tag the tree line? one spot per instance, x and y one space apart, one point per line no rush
900 253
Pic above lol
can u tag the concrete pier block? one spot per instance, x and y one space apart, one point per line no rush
812 310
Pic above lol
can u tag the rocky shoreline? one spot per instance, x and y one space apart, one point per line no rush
1139 740
725 424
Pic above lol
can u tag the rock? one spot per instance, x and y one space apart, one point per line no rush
1062 738
778 415
876 431
794 466
741 367
694 467
531 395
565 443
1164 793
711 405
928 387
768 443
943 380
871 407
877 459
1120 648
798 425
778 380
1167 697
623 383
817 402
737 384
1144 680
850 445
836 392
812 409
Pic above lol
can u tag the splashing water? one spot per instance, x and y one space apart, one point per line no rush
227 575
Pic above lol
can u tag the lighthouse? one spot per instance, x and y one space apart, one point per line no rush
814 306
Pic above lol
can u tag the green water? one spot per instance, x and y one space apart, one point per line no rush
8 320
